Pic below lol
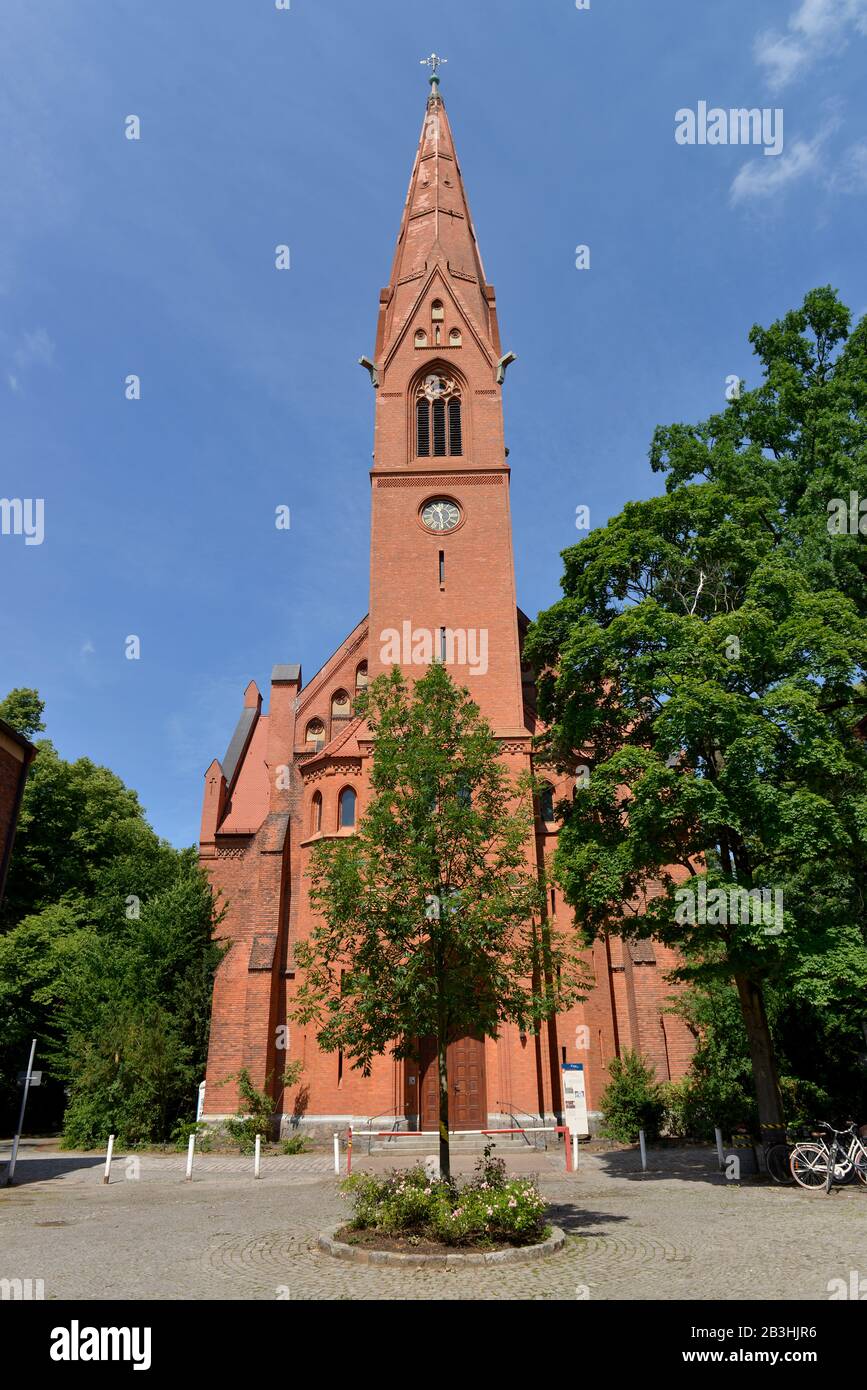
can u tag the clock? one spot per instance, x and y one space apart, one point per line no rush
440 514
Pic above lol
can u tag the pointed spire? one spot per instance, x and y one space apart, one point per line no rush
436 231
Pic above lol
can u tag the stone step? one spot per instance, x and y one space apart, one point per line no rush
429 1144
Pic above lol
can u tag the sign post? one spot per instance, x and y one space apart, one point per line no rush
574 1105
29 1076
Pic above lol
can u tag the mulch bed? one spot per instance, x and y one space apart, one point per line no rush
371 1239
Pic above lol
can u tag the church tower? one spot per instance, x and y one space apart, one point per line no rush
441 569
442 588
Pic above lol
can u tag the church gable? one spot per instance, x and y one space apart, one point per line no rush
326 704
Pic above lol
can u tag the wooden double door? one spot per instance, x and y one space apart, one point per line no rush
468 1101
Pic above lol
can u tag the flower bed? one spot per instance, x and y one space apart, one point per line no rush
410 1210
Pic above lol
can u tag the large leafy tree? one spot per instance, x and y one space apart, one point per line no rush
430 916
106 953
708 653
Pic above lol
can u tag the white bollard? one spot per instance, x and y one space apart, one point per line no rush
643 1147
719 1148
106 1177
257 1161
190 1150
336 1154
575 1153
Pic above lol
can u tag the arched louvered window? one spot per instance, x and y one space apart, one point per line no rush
546 803
455 440
439 425
316 813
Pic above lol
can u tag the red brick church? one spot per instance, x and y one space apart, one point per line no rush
440 564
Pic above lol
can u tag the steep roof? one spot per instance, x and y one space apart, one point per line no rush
436 229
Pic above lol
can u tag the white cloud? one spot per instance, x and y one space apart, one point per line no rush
35 350
851 175
763 178
817 28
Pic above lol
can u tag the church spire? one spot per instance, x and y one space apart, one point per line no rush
436 233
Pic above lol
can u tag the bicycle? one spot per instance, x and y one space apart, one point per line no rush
778 1162
821 1162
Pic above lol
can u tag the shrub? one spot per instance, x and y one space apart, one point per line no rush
632 1100
480 1213
295 1144
256 1108
184 1128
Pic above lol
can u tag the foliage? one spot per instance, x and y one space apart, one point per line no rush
184 1130
430 918
480 1213
631 1101
22 710
295 1144
107 957
710 649
256 1108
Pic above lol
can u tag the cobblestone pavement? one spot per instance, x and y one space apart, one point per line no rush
681 1231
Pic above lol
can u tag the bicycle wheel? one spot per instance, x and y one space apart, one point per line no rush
777 1162
809 1165
861 1167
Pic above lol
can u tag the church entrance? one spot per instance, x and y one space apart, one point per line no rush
468 1102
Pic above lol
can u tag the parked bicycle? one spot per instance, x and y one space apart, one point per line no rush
836 1156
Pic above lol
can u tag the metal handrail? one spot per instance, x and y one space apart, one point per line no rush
384 1115
513 1112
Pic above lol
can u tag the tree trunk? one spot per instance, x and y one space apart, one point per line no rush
443 1072
767 1083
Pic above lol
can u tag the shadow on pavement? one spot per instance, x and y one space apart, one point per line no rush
576 1220
28 1170
689 1165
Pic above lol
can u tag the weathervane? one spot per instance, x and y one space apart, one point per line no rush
433 62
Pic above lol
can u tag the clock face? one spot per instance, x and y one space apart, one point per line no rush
441 515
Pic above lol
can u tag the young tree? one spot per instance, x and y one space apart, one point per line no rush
430 915
709 649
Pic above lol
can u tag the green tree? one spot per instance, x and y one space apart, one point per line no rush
107 956
430 915
22 709
709 651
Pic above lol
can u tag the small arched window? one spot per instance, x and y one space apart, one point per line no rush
340 705
316 813
437 314
420 338
361 676
546 804
346 817
315 734
455 338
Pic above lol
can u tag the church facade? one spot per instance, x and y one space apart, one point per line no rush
441 587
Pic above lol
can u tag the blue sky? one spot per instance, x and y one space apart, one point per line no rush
262 126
